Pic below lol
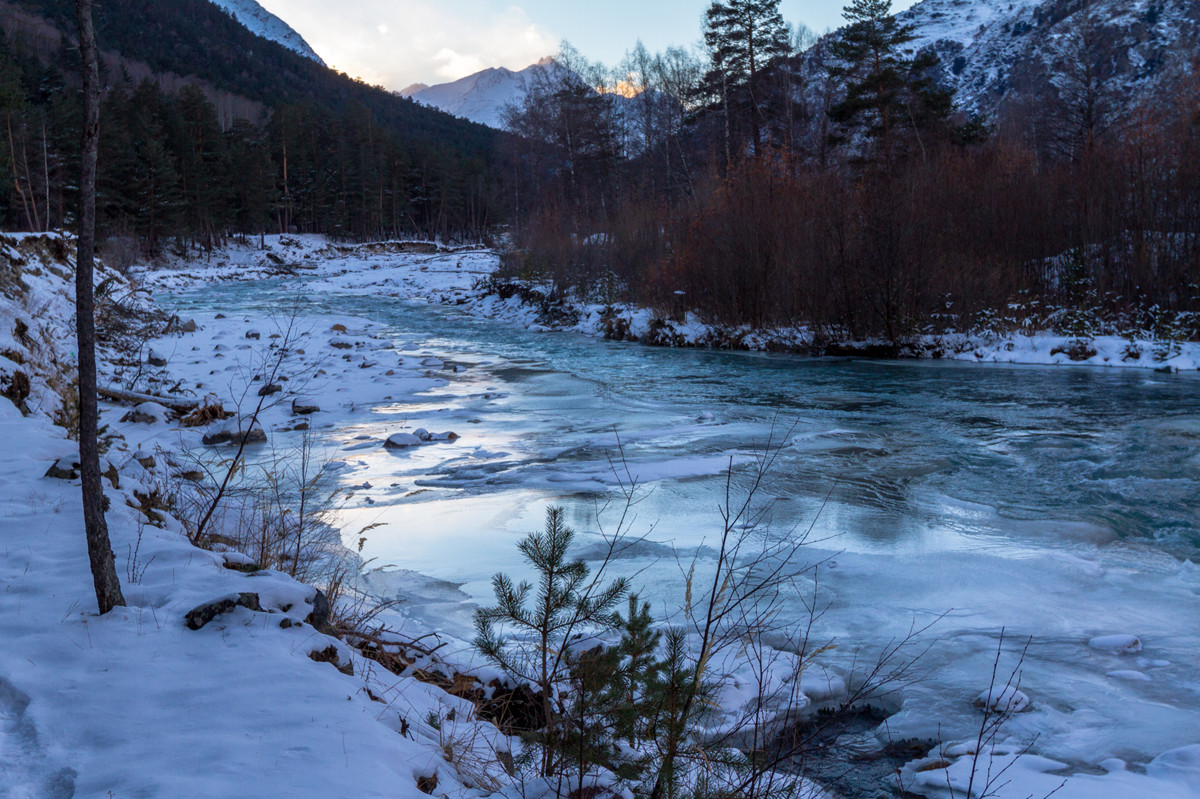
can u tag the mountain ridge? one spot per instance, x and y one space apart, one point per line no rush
266 25
483 96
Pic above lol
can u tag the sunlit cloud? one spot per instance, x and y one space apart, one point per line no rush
398 42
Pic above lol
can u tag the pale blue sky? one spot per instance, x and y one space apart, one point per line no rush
398 42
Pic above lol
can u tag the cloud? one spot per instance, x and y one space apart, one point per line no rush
399 42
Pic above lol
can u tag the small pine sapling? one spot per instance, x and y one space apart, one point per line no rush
569 600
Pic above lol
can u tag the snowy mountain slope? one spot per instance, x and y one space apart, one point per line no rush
263 23
1002 54
481 97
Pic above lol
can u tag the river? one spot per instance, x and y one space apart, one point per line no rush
1054 503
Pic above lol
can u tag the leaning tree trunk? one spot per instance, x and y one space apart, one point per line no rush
104 572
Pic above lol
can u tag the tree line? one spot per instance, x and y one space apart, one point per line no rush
173 172
839 186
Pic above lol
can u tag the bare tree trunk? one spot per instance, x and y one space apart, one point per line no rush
104 572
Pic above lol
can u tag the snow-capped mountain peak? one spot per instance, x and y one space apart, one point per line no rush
263 23
481 97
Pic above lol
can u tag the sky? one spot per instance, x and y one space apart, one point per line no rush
396 43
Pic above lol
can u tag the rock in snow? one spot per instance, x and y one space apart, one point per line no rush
231 432
402 441
1003 699
1122 644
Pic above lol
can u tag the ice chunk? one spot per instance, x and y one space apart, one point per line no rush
1129 675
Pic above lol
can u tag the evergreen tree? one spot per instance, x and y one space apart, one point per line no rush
542 625
886 90
743 37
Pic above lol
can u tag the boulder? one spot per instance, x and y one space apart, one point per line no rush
402 441
202 615
64 469
303 408
445 437
331 655
234 431
319 617
270 389
1118 644
156 358
147 413
189 326
146 459
1004 700
18 390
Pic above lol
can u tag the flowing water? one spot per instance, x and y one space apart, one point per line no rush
1055 503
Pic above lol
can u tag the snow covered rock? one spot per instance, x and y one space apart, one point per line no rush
304 408
1003 699
156 358
1121 644
233 431
147 413
402 441
64 469
253 335
1180 765
198 617
146 459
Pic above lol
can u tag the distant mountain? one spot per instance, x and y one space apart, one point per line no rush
482 97
1013 56
263 23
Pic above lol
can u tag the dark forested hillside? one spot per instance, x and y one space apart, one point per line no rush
294 146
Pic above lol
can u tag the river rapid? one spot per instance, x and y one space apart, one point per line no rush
1057 504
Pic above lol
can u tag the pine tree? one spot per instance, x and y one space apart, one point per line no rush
886 89
543 625
743 37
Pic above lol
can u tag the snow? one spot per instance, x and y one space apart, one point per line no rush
993 51
1117 644
1005 700
134 703
484 96
452 276
238 708
263 23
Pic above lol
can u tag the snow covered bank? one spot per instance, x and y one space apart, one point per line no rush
464 277
136 703
1087 719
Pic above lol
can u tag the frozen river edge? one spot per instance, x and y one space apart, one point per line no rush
153 653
